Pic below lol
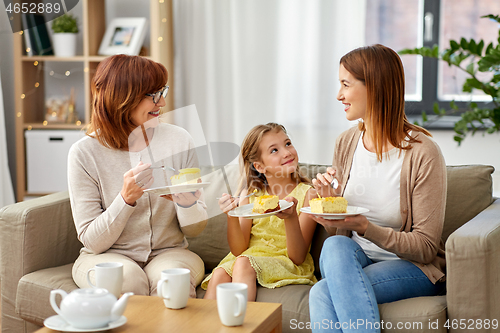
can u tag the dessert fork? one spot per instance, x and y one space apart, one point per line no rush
163 167
239 196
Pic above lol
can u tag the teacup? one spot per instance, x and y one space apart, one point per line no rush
174 287
232 303
108 275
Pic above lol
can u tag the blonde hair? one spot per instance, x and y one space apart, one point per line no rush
250 178
381 71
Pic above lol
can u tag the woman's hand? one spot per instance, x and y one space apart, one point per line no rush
290 212
185 199
322 182
135 181
358 223
228 203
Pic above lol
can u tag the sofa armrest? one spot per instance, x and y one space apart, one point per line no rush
473 267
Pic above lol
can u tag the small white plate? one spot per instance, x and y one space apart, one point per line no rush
57 323
246 211
182 188
351 211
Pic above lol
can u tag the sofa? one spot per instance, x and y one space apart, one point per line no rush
38 246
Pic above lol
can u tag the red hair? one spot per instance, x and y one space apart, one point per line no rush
381 71
119 84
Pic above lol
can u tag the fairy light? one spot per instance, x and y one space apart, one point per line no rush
45 123
164 20
28 50
37 85
78 122
35 63
30 128
68 73
21 32
23 96
162 1
19 114
86 69
51 73
160 39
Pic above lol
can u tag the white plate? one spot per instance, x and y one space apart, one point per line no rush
165 190
351 211
57 323
246 211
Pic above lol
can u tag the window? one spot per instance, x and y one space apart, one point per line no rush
416 23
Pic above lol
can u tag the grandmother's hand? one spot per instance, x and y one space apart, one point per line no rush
135 181
185 199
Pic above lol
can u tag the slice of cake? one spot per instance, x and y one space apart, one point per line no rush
186 176
328 205
266 204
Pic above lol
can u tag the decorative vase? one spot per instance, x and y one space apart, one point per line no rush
64 44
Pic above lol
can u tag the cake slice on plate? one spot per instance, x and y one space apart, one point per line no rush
186 176
328 205
266 204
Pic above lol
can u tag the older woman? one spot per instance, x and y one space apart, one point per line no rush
108 170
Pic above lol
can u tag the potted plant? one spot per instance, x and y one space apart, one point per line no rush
483 59
65 28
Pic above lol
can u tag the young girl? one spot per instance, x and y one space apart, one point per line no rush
272 250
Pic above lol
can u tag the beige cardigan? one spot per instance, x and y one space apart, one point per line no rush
105 223
423 201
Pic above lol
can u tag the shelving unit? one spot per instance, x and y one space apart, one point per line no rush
30 74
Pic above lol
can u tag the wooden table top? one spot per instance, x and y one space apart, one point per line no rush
149 314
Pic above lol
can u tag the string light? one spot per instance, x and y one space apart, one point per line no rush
19 114
86 69
21 32
68 73
164 20
51 73
160 39
37 85
28 50
35 63
23 96
30 128
45 123
78 123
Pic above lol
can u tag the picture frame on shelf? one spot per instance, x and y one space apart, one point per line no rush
124 35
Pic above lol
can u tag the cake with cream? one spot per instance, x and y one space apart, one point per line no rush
186 176
266 204
328 205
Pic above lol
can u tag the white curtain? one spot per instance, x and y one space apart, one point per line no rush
249 62
6 191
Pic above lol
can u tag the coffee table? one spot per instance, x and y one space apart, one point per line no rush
149 314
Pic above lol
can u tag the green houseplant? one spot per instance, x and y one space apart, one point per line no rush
482 59
65 28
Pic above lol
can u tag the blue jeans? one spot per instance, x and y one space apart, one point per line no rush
345 300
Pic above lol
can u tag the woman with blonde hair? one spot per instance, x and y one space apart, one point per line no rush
109 169
394 169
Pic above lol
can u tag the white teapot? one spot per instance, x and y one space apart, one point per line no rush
89 308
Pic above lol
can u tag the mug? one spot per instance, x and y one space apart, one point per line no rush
108 275
232 303
174 287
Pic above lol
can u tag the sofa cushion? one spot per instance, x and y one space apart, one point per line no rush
33 291
414 314
469 192
211 245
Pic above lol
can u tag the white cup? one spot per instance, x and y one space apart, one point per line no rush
174 287
108 275
232 303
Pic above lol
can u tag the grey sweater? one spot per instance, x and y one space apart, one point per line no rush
105 223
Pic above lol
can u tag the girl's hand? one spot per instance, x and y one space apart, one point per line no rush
358 223
227 203
290 212
322 182
135 181
185 200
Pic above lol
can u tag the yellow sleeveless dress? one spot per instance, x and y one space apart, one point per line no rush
268 254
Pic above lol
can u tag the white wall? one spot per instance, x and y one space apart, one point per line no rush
477 149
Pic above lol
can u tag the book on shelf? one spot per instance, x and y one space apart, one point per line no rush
36 35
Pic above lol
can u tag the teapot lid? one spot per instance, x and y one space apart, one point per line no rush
91 292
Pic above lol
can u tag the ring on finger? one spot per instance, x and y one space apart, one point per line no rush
139 184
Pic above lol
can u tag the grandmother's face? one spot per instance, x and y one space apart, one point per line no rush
147 110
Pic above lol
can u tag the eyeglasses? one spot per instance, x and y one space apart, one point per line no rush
159 94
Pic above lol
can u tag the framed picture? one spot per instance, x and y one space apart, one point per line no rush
124 36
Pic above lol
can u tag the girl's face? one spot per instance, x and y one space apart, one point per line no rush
352 94
277 155
147 110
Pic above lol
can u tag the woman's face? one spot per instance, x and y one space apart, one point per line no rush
352 94
147 110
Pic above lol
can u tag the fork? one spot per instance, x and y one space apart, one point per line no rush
239 196
163 167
